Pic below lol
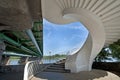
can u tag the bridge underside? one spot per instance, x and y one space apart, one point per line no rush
21 29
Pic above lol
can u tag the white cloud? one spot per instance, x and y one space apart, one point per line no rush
76 27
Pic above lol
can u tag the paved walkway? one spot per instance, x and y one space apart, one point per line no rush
11 76
84 75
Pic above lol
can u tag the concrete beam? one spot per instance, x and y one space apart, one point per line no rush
35 9
11 41
15 13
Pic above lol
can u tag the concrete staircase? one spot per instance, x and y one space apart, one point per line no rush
60 68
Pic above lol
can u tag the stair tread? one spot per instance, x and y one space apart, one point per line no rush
57 68
49 70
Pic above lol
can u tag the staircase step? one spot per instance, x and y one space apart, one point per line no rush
57 65
60 68
61 71
56 68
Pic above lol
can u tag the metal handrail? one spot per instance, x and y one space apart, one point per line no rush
32 68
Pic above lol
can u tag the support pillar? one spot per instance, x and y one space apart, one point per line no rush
5 60
22 60
27 59
2 49
80 61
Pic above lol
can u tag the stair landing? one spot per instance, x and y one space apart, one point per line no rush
84 75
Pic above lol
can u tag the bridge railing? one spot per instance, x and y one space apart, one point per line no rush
32 68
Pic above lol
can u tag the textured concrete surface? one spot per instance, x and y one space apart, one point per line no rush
83 75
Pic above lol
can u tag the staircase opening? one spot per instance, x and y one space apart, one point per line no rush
62 40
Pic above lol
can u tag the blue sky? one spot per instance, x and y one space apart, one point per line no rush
63 38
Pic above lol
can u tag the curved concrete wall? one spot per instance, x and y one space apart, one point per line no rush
96 29
98 16
80 60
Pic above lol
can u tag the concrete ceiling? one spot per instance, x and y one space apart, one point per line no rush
106 11
17 16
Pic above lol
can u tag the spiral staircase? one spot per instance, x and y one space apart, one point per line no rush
100 17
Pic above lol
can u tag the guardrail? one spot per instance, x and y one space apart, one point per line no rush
32 68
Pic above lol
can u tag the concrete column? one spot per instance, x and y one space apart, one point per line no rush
80 61
2 49
27 59
5 60
22 60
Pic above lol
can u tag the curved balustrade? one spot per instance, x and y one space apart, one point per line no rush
32 68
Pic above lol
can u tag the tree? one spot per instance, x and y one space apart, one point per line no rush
113 50
103 55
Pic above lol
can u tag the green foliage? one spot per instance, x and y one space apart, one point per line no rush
113 50
55 56
13 57
103 55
